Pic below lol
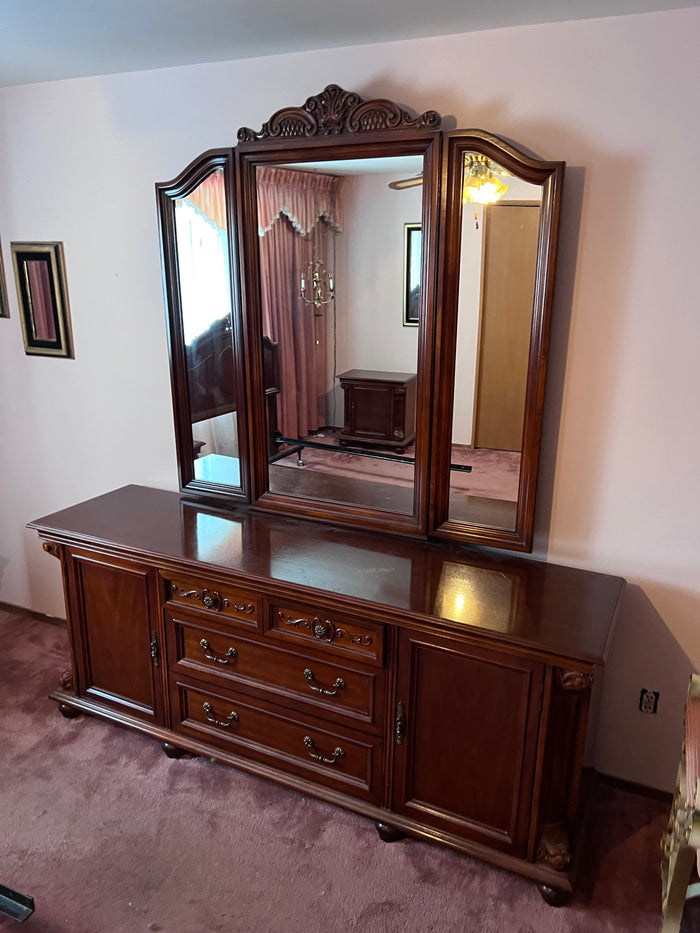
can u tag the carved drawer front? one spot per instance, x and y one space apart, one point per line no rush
216 655
219 599
295 744
338 635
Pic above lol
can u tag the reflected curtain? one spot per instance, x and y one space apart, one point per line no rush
298 216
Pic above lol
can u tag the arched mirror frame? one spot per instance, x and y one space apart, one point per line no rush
548 175
167 194
321 130
351 139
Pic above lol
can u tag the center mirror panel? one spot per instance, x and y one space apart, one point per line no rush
341 299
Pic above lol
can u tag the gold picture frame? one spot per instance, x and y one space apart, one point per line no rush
43 298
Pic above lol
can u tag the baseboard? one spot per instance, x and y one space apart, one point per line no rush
631 787
39 616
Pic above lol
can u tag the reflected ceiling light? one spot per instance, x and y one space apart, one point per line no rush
406 182
481 185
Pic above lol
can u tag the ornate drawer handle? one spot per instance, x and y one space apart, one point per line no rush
338 683
338 752
225 723
205 646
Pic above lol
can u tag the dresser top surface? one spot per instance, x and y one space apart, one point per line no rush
561 611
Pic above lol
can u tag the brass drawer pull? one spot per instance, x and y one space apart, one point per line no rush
338 683
225 723
205 646
338 752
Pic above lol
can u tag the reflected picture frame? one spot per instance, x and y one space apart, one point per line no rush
4 306
43 298
412 258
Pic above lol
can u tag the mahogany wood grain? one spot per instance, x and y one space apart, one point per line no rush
561 612
287 677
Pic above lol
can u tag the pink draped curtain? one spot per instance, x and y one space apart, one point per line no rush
298 215
209 197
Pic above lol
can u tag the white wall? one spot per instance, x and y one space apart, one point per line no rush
615 98
371 307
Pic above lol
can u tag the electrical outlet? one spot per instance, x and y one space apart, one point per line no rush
648 701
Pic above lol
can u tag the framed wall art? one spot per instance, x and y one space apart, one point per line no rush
412 252
43 298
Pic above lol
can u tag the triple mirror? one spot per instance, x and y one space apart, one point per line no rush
358 308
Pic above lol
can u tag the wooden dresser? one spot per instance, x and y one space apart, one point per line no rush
437 690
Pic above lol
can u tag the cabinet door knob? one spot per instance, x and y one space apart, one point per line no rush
399 724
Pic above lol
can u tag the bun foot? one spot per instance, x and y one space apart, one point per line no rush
389 833
70 712
172 751
555 897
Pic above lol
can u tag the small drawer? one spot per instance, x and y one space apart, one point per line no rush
291 743
334 634
214 597
211 654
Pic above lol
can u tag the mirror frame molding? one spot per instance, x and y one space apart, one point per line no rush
550 175
338 125
167 193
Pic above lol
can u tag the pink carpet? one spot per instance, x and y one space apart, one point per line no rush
110 836
495 473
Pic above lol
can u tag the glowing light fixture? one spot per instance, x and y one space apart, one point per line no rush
481 185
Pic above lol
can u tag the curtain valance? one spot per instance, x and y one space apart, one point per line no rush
209 199
303 197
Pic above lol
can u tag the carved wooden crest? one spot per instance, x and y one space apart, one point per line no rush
334 112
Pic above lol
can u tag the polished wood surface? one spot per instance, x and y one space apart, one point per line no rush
437 690
562 611
114 629
479 787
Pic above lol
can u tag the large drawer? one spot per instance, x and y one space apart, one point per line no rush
334 634
199 649
296 744
213 597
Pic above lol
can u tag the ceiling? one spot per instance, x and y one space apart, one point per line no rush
45 40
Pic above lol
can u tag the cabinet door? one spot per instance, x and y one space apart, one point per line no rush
466 735
113 612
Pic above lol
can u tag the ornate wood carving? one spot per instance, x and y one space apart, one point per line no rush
51 548
211 599
575 681
66 680
334 112
554 848
324 629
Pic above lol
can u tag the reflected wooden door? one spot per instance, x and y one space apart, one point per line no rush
508 283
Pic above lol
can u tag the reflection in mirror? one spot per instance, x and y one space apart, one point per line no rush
498 262
205 294
341 376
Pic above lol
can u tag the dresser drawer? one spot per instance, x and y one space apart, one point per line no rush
199 649
337 635
212 596
294 744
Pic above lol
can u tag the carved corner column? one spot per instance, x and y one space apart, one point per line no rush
568 695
